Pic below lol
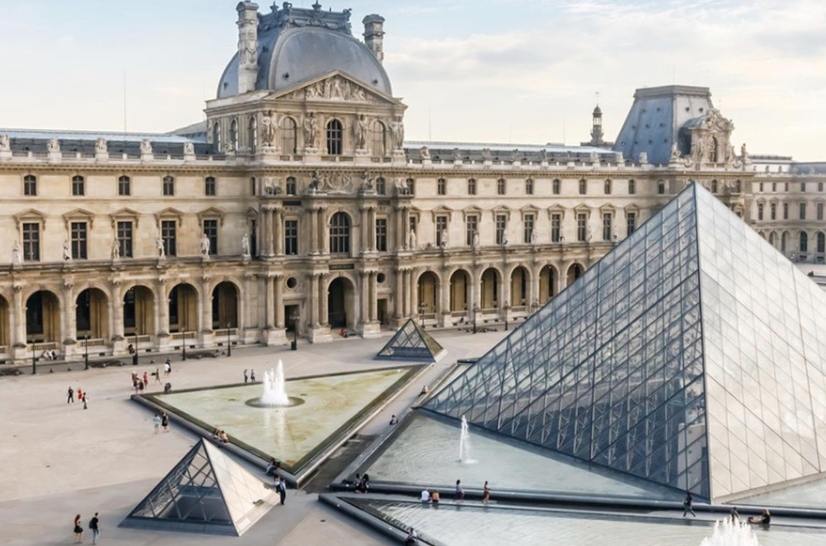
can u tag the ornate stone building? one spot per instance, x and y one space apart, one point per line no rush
299 203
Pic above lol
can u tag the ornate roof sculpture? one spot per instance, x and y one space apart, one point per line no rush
692 355
206 492
410 342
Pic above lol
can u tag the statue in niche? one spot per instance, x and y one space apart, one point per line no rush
505 239
310 130
335 90
67 251
53 145
534 237
424 152
205 246
412 240
444 238
361 132
115 248
397 132
16 253
245 245
675 153
367 183
5 143
475 238
189 148
146 147
101 146
328 88
268 125
357 94
160 247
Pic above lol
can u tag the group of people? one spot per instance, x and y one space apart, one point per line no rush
249 377
765 518
82 397
50 354
94 527
220 436
161 420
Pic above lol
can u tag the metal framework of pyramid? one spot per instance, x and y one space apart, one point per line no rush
206 492
692 355
410 342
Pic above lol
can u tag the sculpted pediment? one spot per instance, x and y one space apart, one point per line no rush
336 87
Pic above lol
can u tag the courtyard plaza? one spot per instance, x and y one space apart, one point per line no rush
59 460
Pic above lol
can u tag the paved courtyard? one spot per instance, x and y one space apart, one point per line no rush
57 460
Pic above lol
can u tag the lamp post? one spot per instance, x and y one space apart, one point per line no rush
475 312
136 354
295 317
183 345
422 309
506 307
229 342
34 360
86 353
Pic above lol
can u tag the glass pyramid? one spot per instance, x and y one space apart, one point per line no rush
205 492
410 342
692 355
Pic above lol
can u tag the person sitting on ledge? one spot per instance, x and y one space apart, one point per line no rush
167 388
216 434
393 420
424 391
272 467
223 437
765 519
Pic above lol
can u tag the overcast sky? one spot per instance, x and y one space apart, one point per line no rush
515 71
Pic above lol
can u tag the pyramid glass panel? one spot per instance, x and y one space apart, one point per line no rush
410 342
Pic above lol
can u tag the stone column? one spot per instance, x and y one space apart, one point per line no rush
323 239
322 300
279 231
475 292
365 226
68 326
116 312
364 300
371 234
374 297
398 310
269 234
279 301
19 317
444 308
162 309
400 242
269 302
534 289
312 305
313 231
406 293
505 296
406 228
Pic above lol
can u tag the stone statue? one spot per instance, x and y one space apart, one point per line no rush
101 146
505 239
160 247
16 253
5 143
743 153
310 130
397 130
475 238
189 148
457 155
413 241
146 147
643 158
699 151
361 132
205 246
245 245
367 183
335 91
486 155
53 145
116 249
268 125
675 153
444 238
534 237
67 250
424 152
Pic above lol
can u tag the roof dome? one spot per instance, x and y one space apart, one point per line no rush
297 45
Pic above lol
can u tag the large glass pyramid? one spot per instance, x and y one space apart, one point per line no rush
205 492
410 342
692 355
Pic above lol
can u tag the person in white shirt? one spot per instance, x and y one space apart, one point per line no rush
425 495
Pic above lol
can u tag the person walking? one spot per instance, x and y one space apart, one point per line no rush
157 422
282 490
486 493
158 375
252 376
145 378
246 377
78 530
167 367
71 397
85 399
688 504
79 394
459 493
165 421
94 526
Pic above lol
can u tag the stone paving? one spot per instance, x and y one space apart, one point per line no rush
57 460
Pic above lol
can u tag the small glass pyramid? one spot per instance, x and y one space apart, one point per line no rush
410 342
692 355
206 492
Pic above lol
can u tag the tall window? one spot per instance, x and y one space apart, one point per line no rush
607 187
786 186
31 242
30 185
253 238
583 187
632 187
820 211
581 227
79 240
124 186
291 186
556 186
802 211
381 186
803 187
738 186
334 137
661 187
168 236
820 186
441 186
411 186
630 222
340 233
209 186
441 230
168 186
252 134
413 224
773 209
556 228
774 186
761 187
804 242
500 187
78 186
713 186
291 237
607 226
216 136
233 135
381 234
125 239
289 137
785 211
759 211
471 186
529 186
471 226
211 233
528 222
783 239
379 139
821 243
501 228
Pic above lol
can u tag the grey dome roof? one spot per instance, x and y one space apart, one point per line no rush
301 45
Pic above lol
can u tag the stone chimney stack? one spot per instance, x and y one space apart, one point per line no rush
247 46
374 35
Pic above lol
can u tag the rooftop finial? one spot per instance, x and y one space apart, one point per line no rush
317 6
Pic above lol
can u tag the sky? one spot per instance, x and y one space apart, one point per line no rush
510 71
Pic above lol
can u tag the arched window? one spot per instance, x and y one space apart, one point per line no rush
289 139
411 186
713 186
712 150
821 242
30 185
78 185
379 139
632 187
557 186
804 242
471 186
381 186
772 239
334 137
583 187
233 135
216 136
168 186
209 186
124 186
340 233
783 242
607 187
500 187
252 135
292 188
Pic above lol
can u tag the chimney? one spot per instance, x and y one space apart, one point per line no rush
247 46
374 35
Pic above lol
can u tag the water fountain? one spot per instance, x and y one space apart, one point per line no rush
731 533
464 444
275 391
